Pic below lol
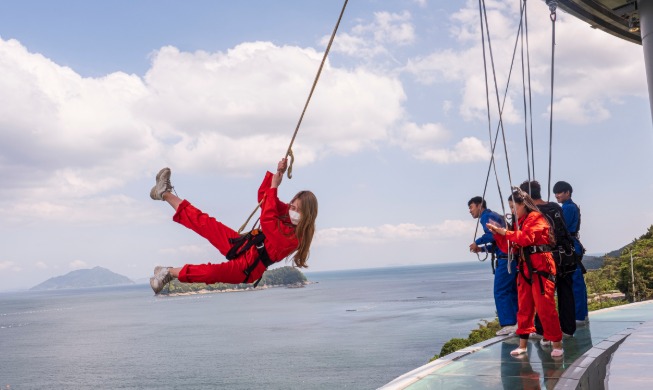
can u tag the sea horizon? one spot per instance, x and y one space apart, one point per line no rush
355 329
308 272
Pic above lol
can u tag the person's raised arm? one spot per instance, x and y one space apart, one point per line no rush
281 169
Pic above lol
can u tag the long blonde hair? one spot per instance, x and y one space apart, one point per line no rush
306 226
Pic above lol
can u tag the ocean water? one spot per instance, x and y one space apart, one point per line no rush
349 330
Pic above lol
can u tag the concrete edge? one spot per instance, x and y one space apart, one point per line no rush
420 373
589 370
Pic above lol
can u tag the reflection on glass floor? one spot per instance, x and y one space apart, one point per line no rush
492 367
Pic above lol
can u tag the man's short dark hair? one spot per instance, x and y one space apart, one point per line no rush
532 188
562 186
477 200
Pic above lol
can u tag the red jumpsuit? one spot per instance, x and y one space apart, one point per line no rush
280 239
534 231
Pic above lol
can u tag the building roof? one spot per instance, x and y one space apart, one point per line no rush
617 17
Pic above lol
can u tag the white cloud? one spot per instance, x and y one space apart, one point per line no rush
85 139
77 264
469 149
413 136
4 265
187 250
387 233
374 39
426 143
576 111
211 103
41 265
591 74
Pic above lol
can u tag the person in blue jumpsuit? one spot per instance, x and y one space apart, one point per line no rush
571 213
505 282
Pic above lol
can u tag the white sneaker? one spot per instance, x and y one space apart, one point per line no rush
535 336
162 185
506 330
556 353
545 343
161 277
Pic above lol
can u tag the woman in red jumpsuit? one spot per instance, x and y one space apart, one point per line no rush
287 228
536 285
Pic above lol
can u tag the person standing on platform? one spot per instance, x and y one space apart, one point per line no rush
565 265
571 212
532 237
505 272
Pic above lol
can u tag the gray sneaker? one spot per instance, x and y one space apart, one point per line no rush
162 185
161 277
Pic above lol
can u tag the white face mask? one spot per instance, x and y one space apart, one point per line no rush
294 216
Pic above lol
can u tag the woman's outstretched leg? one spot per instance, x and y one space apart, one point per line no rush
201 223
186 214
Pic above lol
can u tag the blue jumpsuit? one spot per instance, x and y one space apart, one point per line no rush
505 284
571 213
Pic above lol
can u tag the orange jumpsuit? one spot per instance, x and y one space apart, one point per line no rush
280 239
534 231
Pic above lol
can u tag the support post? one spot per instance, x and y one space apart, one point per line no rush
645 8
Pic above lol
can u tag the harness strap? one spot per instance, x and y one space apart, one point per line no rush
532 271
243 243
538 249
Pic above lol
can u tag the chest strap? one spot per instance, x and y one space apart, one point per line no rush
538 248
241 244
532 271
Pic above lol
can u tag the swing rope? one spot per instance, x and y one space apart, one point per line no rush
523 22
317 77
289 152
500 105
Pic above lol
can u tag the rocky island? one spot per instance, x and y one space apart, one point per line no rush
280 277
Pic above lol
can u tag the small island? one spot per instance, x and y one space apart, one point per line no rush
84 278
287 276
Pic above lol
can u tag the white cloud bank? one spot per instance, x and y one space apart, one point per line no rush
589 77
387 233
234 111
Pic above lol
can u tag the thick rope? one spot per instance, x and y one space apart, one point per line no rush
501 106
317 77
489 124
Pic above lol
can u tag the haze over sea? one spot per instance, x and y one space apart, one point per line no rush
352 329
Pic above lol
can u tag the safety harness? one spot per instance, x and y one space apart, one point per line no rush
242 244
526 253
495 261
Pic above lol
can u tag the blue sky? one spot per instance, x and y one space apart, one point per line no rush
97 97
